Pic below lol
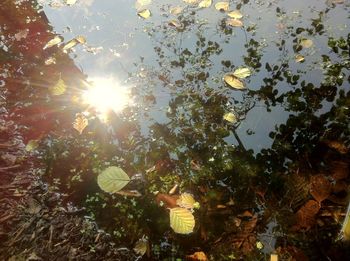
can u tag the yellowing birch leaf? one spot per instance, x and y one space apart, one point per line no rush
242 72
306 43
59 88
176 10
299 58
32 145
186 200
181 220
234 22
235 14
230 117
70 45
141 246
233 81
80 123
222 6
145 13
205 3
53 42
112 179
70 2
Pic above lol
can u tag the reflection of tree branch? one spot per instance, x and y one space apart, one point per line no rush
238 140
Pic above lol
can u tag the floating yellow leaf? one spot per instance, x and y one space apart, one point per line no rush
222 6
81 39
145 13
299 58
176 10
306 43
230 117
70 45
242 73
70 2
235 14
141 246
205 3
186 200
53 42
32 145
80 123
259 245
234 22
233 81
59 88
181 220
112 179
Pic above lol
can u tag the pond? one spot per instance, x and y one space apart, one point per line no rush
206 130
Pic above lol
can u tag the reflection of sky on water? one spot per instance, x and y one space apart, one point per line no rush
115 26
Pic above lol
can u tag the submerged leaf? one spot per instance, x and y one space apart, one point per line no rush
59 88
205 3
230 117
242 73
222 6
112 179
306 43
80 123
234 22
145 13
236 14
53 42
233 81
181 220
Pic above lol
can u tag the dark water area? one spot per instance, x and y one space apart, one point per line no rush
264 153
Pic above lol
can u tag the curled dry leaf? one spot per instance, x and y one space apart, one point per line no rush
80 123
222 6
59 88
181 220
145 13
236 14
320 187
53 42
234 82
205 3
197 256
234 22
230 117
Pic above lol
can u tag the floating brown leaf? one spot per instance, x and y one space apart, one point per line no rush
340 170
320 187
305 217
338 146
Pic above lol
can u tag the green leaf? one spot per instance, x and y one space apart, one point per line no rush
181 220
112 179
242 73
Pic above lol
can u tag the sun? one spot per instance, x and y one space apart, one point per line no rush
106 95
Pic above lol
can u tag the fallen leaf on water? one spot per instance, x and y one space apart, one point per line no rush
59 88
70 2
305 216
80 123
299 58
186 200
230 117
81 39
259 245
234 22
141 246
181 220
235 14
242 72
320 187
70 44
192 2
205 3
53 42
274 257
306 43
112 179
176 10
222 6
175 23
197 256
233 81
338 146
145 13
32 145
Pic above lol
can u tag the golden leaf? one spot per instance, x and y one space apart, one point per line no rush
112 179
198 256
222 6
242 73
181 220
234 82
81 39
145 13
70 45
53 42
205 3
80 123
234 22
306 43
176 10
273 257
299 58
59 88
235 14
186 200
70 2
230 117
